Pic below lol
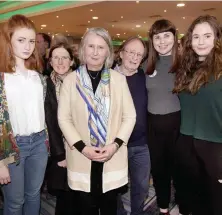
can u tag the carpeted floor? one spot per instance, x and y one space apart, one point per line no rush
48 204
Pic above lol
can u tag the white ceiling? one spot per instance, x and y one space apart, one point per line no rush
75 20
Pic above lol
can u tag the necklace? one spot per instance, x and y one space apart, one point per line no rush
92 76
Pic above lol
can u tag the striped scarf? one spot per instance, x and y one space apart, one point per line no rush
98 104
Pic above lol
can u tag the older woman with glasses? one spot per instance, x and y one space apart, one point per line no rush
61 60
97 116
130 56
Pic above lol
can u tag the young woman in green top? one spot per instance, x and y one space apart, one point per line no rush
199 148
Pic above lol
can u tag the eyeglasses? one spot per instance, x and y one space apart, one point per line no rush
63 58
133 54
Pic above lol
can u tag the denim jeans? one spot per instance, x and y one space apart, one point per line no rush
22 195
139 173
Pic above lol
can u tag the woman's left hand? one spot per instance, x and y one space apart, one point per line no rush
107 151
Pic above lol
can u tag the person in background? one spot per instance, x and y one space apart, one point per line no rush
130 56
43 42
61 61
163 108
22 123
199 147
96 115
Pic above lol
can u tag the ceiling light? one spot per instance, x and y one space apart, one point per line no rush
62 25
57 16
132 28
165 11
138 26
66 31
180 5
43 26
88 21
91 10
124 33
184 17
144 22
87 29
95 17
137 2
68 34
112 25
32 21
117 34
124 40
121 17
177 29
49 33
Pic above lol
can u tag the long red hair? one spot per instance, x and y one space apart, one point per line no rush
7 58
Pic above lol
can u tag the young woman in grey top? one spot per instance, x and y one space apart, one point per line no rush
163 108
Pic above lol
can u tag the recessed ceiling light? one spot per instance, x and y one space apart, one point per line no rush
62 25
91 10
66 31
68 34
49 33
165 11
132 28
180 5
57 16
117 34
112 25
95 17
41 28
121 17
124 33
184 17
137 2
88 21
138 26
43 25
144 22
32 21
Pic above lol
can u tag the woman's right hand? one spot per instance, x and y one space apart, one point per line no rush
4 175
92 153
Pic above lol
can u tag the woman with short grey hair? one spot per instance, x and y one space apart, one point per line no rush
96 115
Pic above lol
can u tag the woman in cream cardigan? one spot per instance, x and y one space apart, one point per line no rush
96 115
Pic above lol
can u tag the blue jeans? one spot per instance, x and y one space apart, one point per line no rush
139 173
22 195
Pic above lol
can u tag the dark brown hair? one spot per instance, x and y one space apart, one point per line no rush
161 26
192 73
129 40
67 48
7 58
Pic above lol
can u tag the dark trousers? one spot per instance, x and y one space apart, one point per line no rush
67 203
96 202
163 133
199 167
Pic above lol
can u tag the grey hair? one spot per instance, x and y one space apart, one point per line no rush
105 35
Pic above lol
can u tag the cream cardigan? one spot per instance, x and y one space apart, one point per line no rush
73 121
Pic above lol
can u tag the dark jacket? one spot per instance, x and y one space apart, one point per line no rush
57 176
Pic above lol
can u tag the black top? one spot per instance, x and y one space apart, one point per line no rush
55 134
137 87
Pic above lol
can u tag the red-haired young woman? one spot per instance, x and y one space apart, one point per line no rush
22 118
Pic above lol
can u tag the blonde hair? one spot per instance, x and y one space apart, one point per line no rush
105 35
